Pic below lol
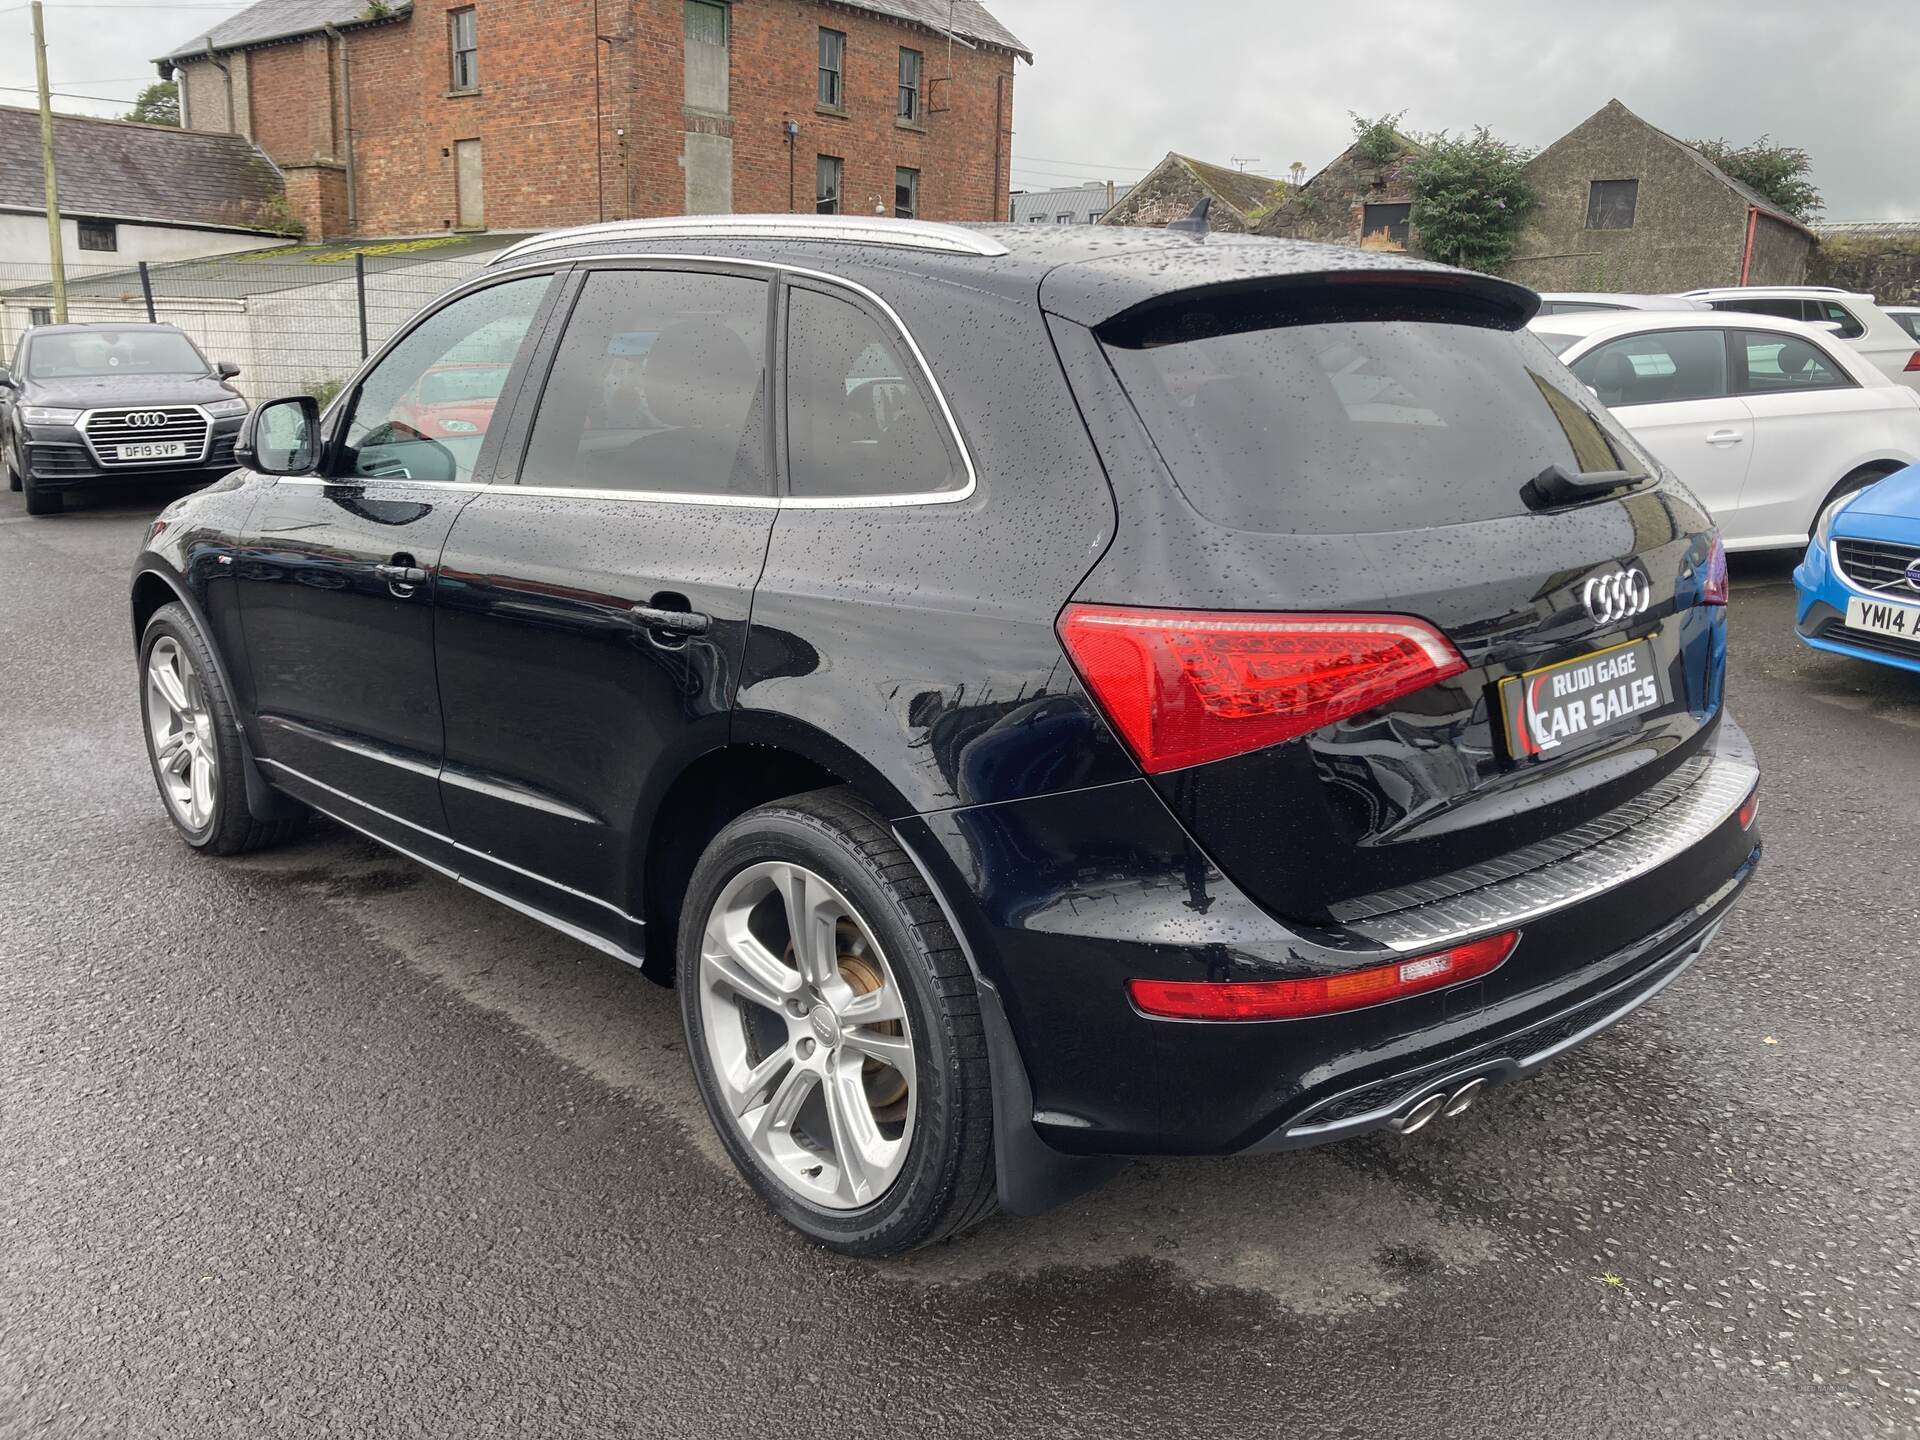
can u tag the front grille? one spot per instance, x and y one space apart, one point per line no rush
1872 564
105 429
55 462
1841 633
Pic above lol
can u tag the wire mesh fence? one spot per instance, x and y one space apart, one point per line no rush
293 318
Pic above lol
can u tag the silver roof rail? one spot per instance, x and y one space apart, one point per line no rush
852 229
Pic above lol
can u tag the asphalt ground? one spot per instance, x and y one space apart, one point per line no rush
313 1143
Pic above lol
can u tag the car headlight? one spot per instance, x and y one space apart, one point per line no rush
48 415
458 427
1823 527
235 406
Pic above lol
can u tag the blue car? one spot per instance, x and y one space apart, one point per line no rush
1860 581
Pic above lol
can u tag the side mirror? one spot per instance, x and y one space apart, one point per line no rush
6 378
226 369
281 437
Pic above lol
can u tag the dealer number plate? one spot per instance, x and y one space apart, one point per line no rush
1558 706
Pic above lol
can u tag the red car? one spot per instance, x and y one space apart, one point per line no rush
451 400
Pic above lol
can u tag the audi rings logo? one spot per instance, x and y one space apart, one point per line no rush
1620 596
146 419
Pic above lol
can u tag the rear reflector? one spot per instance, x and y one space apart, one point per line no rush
1187 686
1323 995
1913 361
1749 808
1713 588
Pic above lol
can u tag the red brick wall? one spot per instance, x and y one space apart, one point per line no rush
534 113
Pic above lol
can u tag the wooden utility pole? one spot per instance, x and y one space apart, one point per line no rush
57 251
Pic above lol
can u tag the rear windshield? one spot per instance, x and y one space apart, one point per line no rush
1354 425
113 352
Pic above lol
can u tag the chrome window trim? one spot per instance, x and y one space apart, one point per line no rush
668 497
206 440
852 229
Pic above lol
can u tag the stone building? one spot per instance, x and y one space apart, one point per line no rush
1624 206
1355 199
406 117
1172 188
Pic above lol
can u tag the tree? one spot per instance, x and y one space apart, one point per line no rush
1377 139
158 104
1781 173
1470 198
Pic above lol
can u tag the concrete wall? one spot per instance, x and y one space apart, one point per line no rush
23 244
1885 266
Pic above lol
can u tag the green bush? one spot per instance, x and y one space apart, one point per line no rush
1470 198
322 388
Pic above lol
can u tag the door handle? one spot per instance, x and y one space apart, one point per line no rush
677 622
401 574
1725 437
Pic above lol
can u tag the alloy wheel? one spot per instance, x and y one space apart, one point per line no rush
806 1033
180 728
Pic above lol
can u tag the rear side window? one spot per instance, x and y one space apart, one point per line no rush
1786 364
1655 368
1358 425
858 421
1909 321
1784 309
1835 313
659 385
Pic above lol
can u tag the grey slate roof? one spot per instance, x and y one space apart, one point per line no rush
117 170
970 20
279 20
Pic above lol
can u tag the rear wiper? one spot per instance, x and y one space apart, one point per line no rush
1555 485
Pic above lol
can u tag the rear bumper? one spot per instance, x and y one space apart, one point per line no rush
1064 898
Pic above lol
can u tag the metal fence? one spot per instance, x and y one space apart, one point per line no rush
293 318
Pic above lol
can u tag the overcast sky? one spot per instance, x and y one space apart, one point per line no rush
1118 83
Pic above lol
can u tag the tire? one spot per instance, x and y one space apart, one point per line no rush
13 473
1859 480
927 1153
42 502
204 795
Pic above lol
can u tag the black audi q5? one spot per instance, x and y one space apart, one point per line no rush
1042 697
85 406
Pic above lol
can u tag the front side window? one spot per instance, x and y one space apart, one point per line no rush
1273 416
424 410
1662 366
463 41
858 423
910 66
1786 364
1611 203
833 51
99 235
659 385
906 193
826 185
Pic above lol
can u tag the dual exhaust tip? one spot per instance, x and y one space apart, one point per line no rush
1438 1104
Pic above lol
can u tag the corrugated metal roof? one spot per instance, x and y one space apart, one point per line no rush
1081 204
1870 229
118 170
280 20
966 18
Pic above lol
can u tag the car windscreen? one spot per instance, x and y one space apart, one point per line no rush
112 352
1362 424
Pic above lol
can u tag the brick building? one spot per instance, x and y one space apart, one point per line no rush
416 116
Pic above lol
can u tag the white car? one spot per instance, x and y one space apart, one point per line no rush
1907 317
1855 318
1576 302
1765 420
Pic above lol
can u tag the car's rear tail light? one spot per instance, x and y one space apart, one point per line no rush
1913 362
1749 809
1713 589
1187 686
1322 995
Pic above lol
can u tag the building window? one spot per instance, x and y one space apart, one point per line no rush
1093 217
833 56
906 193
463 43
910 62
826 185
1610 204
39 315
1036 219
706 57
98 235
1384 227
